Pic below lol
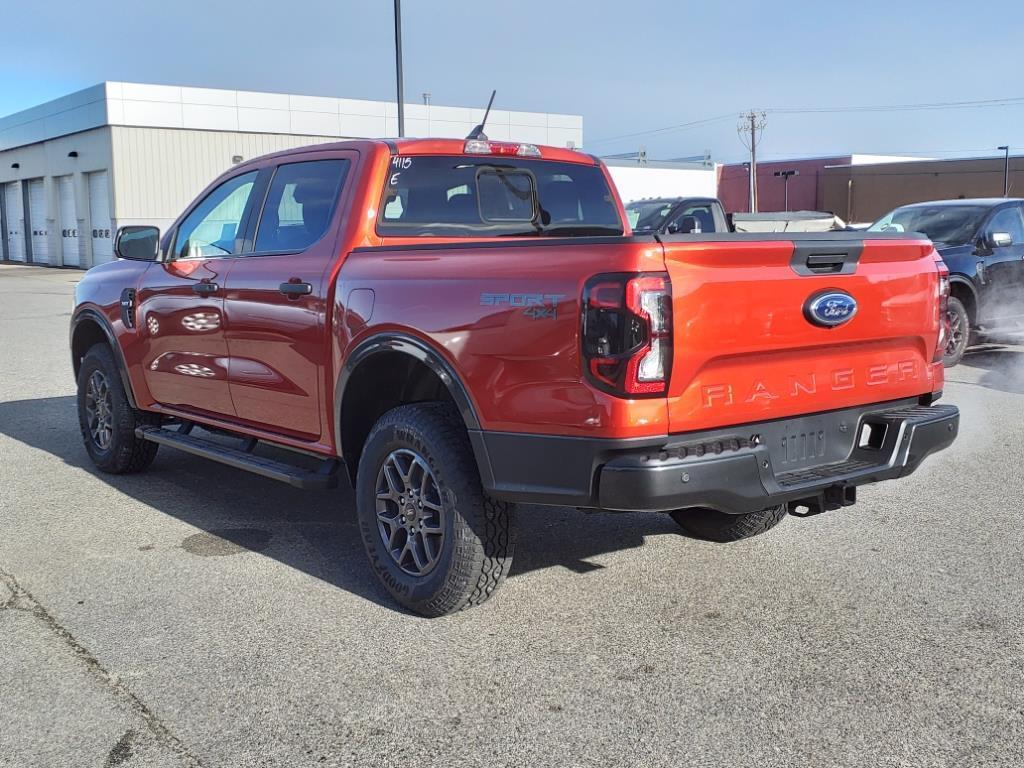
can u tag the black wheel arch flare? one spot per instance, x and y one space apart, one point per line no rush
421 351
95 317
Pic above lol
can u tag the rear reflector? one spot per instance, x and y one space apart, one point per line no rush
484 147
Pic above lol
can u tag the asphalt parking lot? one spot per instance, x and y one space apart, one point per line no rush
195 615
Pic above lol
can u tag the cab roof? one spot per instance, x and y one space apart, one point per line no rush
413 146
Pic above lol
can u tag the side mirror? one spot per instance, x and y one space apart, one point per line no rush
137 243
998 239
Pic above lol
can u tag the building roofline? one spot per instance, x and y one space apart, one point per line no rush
173 106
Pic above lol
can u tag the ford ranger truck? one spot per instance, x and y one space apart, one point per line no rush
460 326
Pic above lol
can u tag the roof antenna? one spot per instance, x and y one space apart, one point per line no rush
478 132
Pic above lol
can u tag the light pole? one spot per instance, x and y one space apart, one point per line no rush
1006 170
785 182
398 67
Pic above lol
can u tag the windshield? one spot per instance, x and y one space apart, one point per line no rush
948 224
651 214
465 196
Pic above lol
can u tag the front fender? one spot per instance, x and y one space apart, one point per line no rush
81 332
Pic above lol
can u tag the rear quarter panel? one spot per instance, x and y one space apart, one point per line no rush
506 317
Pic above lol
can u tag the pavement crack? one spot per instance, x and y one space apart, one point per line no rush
22 599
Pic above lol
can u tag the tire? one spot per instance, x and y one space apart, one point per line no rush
435 540
712 525
959 332
109 436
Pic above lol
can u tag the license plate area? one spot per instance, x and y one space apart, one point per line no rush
810 441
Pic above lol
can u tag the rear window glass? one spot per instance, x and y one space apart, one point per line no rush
495 196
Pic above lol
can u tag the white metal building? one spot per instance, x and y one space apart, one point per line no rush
74 169
636 181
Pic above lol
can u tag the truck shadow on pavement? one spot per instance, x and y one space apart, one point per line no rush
1002 367
312 531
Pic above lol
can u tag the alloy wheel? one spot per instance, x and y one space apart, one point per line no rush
410 512
99 410
956 332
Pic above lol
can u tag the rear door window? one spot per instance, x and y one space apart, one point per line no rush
299 204
460 196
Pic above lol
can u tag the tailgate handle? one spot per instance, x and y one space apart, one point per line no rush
826 263
826 258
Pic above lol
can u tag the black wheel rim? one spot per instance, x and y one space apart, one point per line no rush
410 513
957 332
98 410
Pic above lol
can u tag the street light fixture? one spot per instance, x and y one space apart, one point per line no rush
785 181
1006 170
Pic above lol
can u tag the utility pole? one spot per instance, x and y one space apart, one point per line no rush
751 126
1006 170
398 67
785 183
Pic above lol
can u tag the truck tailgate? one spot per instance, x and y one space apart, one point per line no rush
745 350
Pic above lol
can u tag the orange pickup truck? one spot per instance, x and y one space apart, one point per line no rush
459 326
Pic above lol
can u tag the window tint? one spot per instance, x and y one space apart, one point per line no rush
210 229
1008 220
472 196
299 205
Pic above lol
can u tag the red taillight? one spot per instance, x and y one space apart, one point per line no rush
486 147
627 333
942 309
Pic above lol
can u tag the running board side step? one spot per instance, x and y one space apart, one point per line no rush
243 458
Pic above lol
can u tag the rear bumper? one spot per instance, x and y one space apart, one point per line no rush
812 461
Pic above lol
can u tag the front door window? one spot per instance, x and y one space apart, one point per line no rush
212 227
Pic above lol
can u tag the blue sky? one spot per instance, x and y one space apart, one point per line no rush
626 68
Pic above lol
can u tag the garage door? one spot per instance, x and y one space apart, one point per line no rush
15 222
68 222
99 218
37 215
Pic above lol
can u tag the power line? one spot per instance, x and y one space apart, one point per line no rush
679 127
977 104
923 106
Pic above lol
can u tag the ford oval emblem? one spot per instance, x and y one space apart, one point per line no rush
830 308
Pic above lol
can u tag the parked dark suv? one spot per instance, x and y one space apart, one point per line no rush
982 243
